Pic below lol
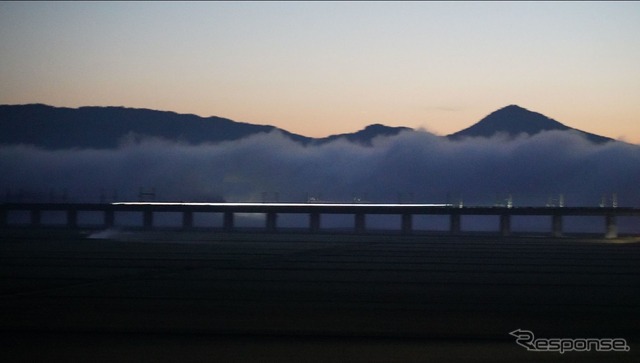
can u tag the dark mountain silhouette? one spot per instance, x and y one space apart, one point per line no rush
514 120
106 127
365 136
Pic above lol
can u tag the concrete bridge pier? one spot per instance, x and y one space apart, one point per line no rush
187 219
407 223
314 222
35 217
272 222
109 218
360 223
505 225
556 225
227 223
147 219
72 218
611 226
454 223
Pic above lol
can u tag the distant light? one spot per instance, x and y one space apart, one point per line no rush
284 204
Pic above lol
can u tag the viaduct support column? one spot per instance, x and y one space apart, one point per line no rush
147 219
272 222
556 225
3 218
314 222
611 226
454 225
360 222
187 219
407 223
109 218
35 217
72 218
228 221
505 225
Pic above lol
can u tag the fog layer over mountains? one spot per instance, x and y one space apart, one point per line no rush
412 166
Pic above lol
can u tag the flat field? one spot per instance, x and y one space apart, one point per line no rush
168 296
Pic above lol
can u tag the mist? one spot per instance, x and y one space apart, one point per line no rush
413 166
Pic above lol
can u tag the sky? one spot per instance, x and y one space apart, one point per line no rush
321 68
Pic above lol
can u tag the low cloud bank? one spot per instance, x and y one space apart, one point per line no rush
409 167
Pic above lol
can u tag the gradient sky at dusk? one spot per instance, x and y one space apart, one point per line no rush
320 68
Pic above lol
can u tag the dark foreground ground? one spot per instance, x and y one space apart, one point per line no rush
197 297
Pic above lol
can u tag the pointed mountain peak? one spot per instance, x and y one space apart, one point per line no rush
514 120
521 114
513 108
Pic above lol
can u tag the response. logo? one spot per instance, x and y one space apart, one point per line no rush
525 338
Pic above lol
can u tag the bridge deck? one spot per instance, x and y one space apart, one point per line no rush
325 208
314 212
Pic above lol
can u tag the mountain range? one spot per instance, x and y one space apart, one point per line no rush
51 127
